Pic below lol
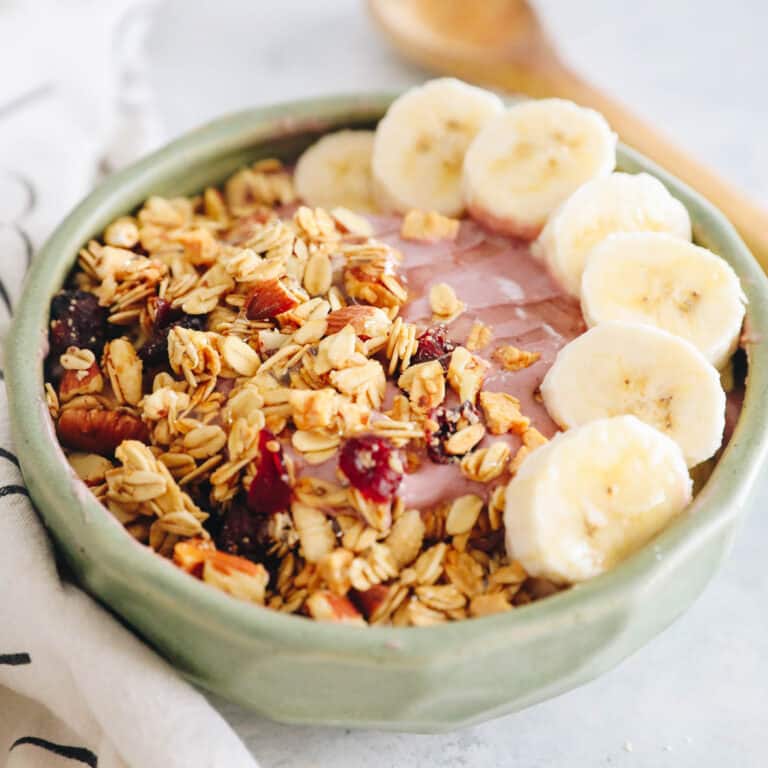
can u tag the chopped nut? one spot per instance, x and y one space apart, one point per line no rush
463 514
480 336
502 413
428 226
313 409
514 359
90 467
445 306
466 373
425 384
325 606
76 382
122 233
236 576
334 569
366 321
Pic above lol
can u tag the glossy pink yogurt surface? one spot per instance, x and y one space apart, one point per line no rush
503 286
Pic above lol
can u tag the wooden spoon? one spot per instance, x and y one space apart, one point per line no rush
501 43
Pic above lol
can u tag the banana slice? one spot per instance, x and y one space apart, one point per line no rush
617 368
620 202
592 496
659 280
336 171
420 144
529 159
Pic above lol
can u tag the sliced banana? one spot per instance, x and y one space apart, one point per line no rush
660 280
627 368
592 496
420 144
620 202
529 159
336 171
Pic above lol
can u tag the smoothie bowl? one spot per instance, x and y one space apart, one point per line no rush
346 455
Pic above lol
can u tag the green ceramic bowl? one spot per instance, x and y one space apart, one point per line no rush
292 669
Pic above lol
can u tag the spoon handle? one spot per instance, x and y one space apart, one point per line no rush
750 219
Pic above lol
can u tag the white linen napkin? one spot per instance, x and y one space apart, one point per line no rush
76 687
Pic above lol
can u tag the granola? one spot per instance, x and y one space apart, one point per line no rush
262 392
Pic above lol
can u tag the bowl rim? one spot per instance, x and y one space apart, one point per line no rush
74 515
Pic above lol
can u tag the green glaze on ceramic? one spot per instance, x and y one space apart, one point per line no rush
296 670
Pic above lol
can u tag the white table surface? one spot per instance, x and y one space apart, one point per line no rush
698 694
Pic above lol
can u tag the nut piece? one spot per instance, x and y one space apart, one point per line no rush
236 576
367 322
268 299
325 606
97 431
502 413
80 382
334 570
89 467
122 233
514 359
466 373
124 368
480 336
445 306
428 226
313 409
425 384
463 514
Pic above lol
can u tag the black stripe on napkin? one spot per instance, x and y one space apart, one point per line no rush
81 754
10 490
15 659
5 298
5 454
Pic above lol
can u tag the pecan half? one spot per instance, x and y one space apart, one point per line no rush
83 382
98 431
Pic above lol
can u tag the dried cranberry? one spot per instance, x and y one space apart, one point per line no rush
243 533
154 351
270 490
77 320
372 466
448 421
434 344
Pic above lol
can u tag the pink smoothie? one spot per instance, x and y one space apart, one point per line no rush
503 286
